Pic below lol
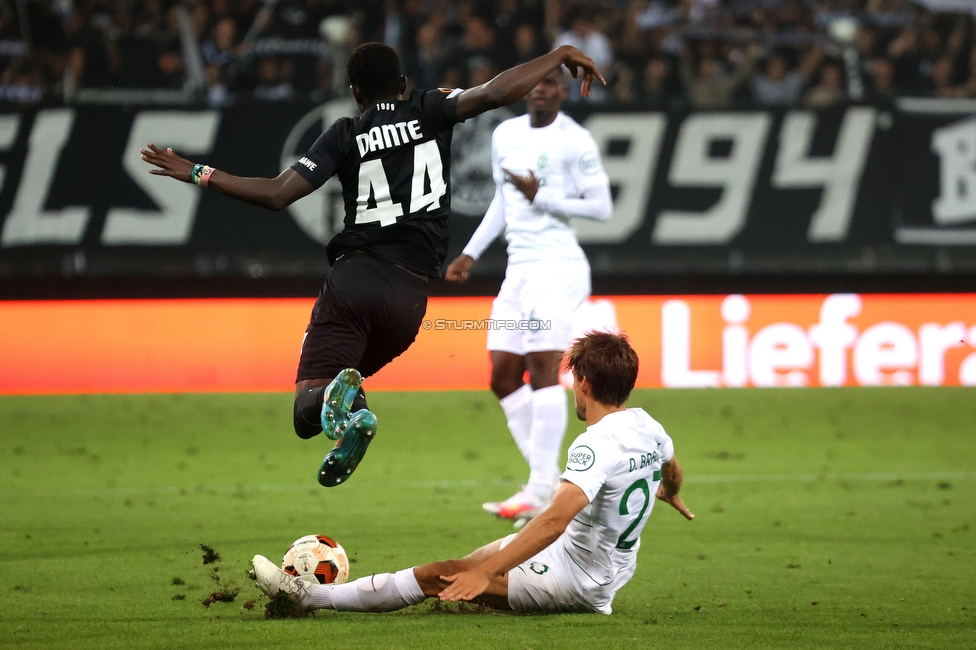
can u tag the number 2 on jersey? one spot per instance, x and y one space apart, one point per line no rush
640 484
372 180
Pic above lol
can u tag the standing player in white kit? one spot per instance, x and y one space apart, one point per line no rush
547 170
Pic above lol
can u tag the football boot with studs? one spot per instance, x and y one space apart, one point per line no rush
337 401
339 464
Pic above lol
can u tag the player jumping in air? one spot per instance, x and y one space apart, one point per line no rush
577 553
547 170
394 165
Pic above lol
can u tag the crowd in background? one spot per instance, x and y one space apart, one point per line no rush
661 54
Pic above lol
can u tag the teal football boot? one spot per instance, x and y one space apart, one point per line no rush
342 460
337 400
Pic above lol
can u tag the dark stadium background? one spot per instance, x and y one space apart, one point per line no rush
258 68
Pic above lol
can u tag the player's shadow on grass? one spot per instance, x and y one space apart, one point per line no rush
281 607
482 605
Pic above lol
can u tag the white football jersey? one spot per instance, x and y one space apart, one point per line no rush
617 463
566 160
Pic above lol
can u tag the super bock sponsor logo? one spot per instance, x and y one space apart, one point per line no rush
589 164
581 458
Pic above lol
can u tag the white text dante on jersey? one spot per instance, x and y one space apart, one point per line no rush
385 136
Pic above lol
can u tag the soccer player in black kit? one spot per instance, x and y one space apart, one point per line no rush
394 165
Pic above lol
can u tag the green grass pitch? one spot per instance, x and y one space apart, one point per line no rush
826 518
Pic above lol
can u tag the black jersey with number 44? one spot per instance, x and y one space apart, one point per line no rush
394 163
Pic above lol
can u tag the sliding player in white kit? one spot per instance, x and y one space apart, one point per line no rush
576 554
547 170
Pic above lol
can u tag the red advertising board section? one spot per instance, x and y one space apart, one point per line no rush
139 346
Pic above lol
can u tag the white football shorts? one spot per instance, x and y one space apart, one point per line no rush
534 308
549 582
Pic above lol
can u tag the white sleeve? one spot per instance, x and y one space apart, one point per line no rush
594 203
666 447
588 465
490 227
493 223
592 183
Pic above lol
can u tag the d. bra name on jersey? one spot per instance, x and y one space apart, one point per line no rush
645 460
385 136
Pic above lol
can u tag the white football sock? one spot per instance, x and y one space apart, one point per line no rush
381 592
518 410
549 420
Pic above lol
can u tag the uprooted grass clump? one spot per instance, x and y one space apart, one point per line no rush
224 592
281 606
210 555
222 595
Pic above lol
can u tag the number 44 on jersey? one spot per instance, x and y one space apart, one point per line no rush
427 171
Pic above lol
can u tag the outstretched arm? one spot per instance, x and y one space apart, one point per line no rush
272 193
539 533
672 476
515 83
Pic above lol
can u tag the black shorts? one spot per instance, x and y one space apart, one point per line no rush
367 314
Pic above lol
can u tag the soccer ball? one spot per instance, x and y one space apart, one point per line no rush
316 559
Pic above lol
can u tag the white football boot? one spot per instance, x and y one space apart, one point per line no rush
520 507
492 507
273 581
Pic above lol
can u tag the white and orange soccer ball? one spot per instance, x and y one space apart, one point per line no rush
316 559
